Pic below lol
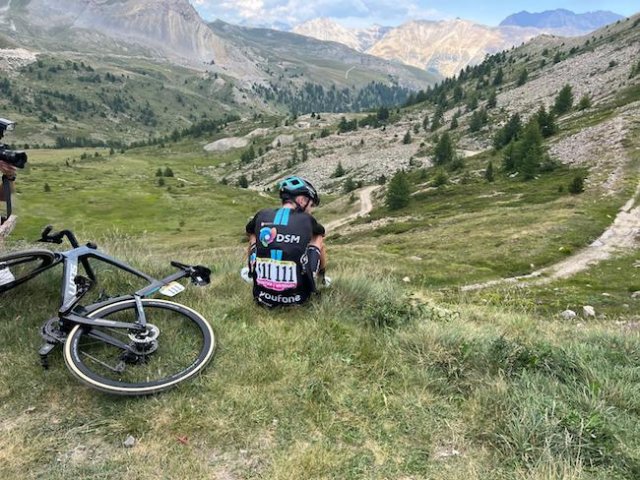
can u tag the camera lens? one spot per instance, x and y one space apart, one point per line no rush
15 158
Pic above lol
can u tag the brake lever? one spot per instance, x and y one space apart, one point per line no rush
46 238
200 276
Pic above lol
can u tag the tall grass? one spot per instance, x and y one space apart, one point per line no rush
370 380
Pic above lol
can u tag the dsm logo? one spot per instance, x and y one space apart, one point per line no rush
270 235
280 238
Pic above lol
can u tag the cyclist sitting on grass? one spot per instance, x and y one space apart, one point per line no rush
286 247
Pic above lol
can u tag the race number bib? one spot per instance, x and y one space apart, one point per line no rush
278 275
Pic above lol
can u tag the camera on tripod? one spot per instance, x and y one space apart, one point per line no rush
17 158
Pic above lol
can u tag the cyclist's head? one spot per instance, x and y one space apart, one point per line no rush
293 187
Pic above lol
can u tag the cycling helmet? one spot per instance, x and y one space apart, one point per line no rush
291 187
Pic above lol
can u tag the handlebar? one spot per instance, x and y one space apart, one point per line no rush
199 274
47 237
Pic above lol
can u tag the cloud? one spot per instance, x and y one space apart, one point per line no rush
258 12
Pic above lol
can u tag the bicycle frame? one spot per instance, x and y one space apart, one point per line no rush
74 287
72 290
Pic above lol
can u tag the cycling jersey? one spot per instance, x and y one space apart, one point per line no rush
280 265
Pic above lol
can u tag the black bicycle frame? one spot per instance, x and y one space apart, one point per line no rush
73 289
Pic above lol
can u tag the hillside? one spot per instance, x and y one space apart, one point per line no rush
161 71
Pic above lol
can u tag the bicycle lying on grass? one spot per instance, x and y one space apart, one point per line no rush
128 345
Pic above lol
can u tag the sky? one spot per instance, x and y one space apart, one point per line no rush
364 13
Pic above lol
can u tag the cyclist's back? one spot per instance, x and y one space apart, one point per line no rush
286 248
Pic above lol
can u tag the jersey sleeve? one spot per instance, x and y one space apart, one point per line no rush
251 226
317 228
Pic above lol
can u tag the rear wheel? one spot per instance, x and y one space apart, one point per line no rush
176 346
18 267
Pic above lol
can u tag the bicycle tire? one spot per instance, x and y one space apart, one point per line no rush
25 265
80 349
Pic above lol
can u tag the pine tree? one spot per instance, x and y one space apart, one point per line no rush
425 123
564 100
444 151
522 77
546 121
499 77
407 138
243 182
488 173
339 171
493 100
530 151
349 185
511 131
398 191
168 172
159 172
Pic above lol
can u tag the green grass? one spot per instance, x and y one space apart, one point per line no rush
363 383
376 378
503 227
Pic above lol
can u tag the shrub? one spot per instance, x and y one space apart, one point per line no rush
577 185
585 102
441 178
243 182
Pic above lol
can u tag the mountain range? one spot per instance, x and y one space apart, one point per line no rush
172 29
445 47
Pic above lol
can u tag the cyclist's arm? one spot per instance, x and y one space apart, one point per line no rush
9 171
252 238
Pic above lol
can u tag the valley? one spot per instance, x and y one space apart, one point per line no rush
400 369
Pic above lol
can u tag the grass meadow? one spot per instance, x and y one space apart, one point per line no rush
377 378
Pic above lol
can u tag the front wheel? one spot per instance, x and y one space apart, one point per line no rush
176 346
18 267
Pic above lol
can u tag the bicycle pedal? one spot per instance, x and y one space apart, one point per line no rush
44 352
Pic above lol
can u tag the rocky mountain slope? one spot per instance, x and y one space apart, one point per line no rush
448 46
300 59
331 31
603 67
160 27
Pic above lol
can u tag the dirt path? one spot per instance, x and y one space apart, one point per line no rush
366 205
623 233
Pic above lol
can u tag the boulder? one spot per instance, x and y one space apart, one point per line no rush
225 144
282 140
568 314
588 311
258 132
